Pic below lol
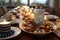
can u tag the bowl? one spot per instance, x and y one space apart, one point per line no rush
37 33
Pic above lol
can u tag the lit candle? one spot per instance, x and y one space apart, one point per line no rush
45 17
4 22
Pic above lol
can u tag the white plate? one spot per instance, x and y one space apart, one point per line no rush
57 32
20 25
52 16
17 32
46 12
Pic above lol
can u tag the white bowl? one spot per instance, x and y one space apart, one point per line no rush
20 25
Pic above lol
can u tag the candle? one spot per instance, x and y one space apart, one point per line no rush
45 17
4 22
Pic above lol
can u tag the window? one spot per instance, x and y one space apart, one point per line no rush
38 1
15 2
24 2
31 2
6 2
9 2
2 2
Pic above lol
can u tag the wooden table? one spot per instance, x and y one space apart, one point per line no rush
26 36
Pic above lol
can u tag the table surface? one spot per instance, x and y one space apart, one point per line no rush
26 36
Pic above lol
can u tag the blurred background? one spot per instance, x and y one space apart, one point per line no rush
52 6
19 2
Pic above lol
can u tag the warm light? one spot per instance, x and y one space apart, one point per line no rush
45 17
13 17
4 22
29 13
32 16
26 8
58 23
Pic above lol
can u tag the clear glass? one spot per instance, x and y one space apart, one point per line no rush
39 16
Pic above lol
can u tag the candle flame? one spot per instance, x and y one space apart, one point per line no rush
45 17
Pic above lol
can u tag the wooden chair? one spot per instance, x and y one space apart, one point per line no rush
5 9
2 12
57 12
50 10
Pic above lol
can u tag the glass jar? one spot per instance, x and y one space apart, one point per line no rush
39 16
